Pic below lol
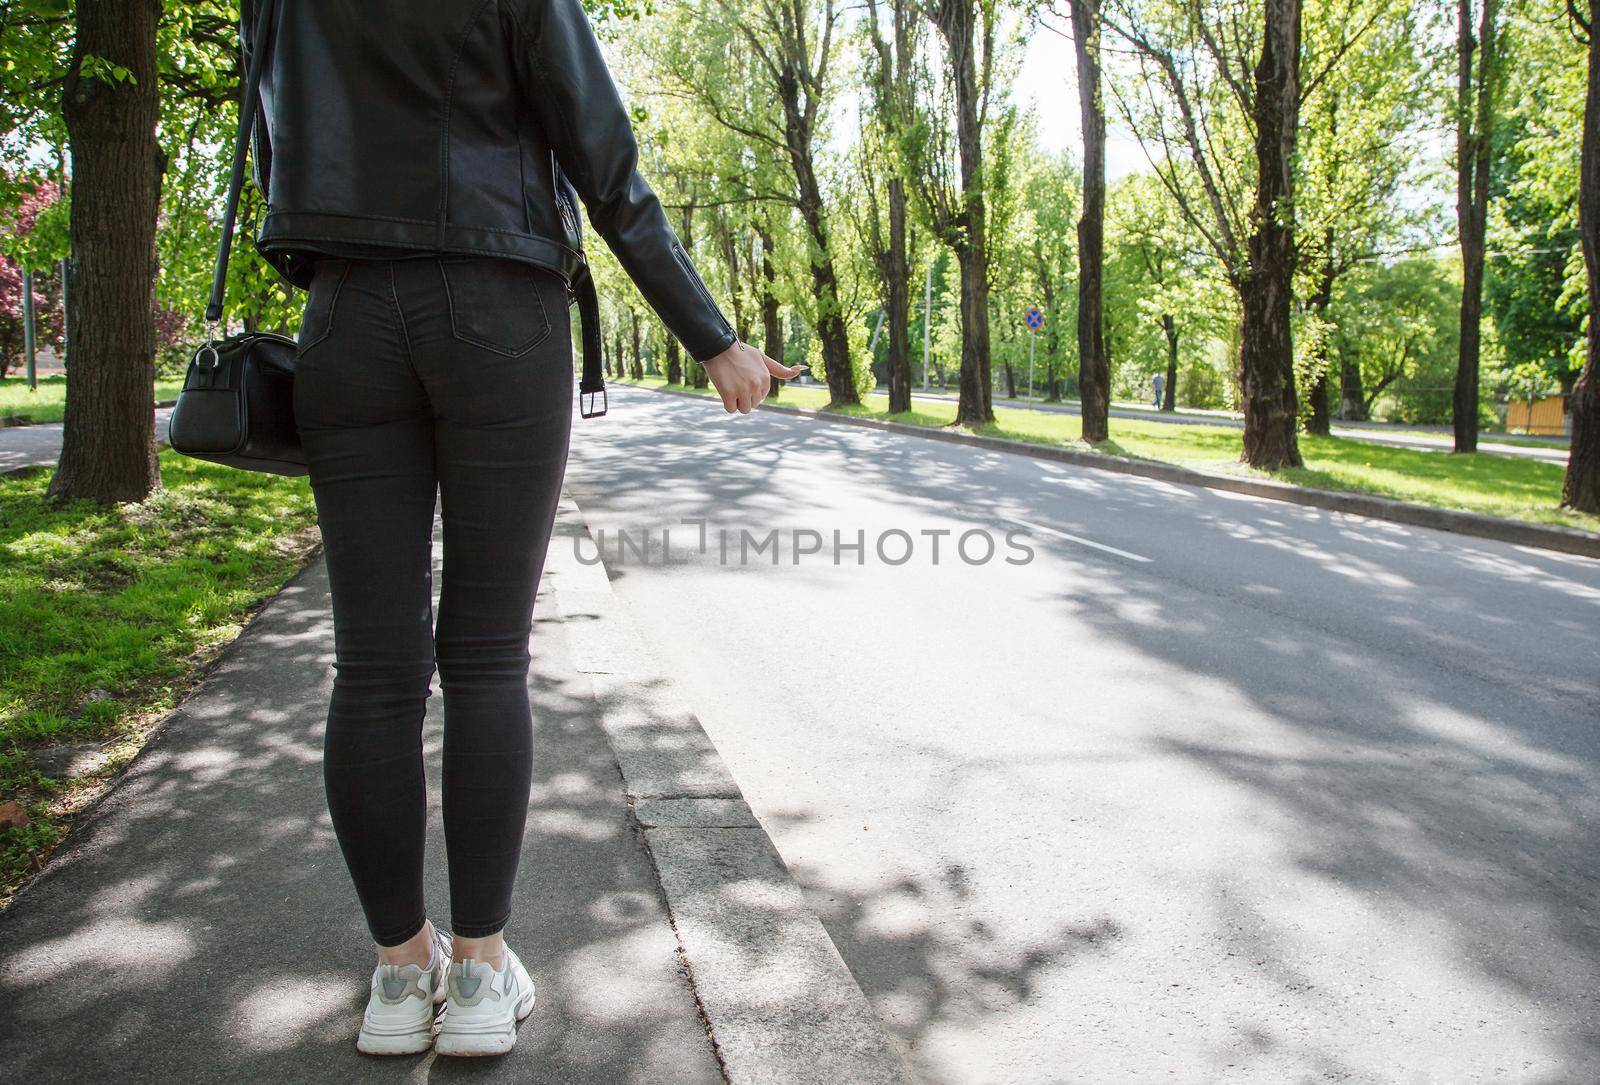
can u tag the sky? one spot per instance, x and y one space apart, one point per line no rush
1049 81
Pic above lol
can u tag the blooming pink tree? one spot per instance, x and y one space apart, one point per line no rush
19 227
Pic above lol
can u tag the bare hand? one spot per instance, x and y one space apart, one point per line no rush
743 375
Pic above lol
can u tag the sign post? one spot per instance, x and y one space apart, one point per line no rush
1035 319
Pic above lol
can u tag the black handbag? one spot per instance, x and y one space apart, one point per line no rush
237 402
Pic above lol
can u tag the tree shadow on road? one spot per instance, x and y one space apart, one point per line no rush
1419 746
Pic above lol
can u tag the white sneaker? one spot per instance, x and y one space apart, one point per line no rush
403 1004
483 1007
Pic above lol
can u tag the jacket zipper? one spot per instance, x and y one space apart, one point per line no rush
684 262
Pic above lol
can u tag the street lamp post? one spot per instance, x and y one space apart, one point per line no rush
64 260
28 344
927 320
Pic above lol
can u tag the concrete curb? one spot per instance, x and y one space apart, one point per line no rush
780 1005
1566 540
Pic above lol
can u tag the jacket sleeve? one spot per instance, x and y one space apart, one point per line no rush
570 89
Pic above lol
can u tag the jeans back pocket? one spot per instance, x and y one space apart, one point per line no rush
495 303
322 298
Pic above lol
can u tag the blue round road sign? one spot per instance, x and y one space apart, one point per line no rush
1035 318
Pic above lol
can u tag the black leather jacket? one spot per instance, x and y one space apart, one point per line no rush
453 126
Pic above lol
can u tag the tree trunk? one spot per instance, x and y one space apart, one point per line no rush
957 22
1094 364
1320 421
1582 488
894 265
899 315
730 257
771 318
831 331
1169 394
1266 351
108 441
636 348
1472 204
974 399
1352 396
698 377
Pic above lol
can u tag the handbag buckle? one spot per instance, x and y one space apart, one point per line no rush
206 364
586 409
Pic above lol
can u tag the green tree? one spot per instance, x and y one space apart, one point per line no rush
1477 90
769 76
1048 249
1359 136
117 92
111 102
1534 286
946 168
1167 299
1094 364
1393 329
1582 486
1216 101
890 75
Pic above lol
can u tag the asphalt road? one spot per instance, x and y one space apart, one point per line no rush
1207 788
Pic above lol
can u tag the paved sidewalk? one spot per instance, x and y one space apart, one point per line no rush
27 446
200 925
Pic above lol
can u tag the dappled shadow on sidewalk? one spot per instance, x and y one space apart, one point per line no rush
200 925
1360 819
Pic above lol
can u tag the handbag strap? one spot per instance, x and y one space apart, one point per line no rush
249 108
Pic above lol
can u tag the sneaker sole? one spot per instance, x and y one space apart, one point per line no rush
494 1039
413 1041
401 1043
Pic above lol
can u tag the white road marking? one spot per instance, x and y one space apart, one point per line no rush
1080 540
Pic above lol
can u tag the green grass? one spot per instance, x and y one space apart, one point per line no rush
108 614
47 402
1513 487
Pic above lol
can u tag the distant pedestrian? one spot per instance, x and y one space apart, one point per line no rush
1160 383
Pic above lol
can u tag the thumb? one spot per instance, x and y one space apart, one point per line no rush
777 369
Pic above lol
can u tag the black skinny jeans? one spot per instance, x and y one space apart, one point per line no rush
421 375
